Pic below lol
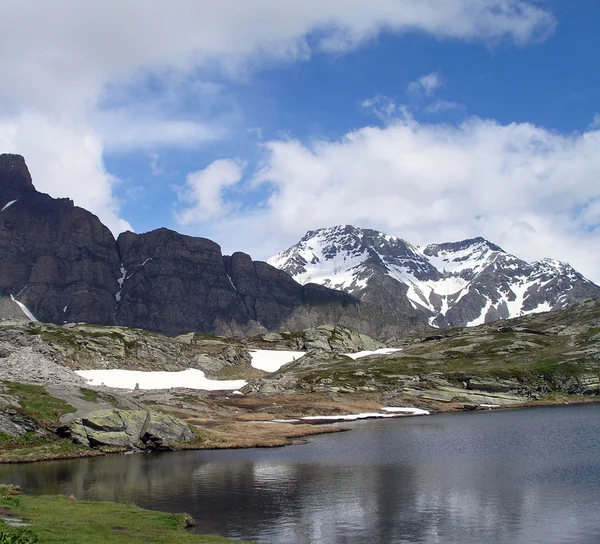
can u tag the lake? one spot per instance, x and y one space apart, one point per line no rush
520 476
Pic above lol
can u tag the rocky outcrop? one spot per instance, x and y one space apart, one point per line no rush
14 424
335 338
56 258
43 353
175 283
130 429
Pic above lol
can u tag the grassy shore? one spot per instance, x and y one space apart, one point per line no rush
60 520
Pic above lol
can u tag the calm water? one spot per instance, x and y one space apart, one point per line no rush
528 476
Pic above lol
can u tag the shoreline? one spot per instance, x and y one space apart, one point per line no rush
250 433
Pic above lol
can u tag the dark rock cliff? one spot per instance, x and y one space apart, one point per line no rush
65 266
175 283
57 259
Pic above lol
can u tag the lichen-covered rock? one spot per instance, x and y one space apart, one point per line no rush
131 429
15 424
335 338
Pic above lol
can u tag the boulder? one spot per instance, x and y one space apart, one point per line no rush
15 424
336 338
131 429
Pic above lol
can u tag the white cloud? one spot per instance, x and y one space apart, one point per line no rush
154 168
61 60
385 108
65 160
443 105
426 84
202 197
121 132
596 122
533 191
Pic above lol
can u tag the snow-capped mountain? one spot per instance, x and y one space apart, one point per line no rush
455 283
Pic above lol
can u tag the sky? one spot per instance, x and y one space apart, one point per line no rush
252 122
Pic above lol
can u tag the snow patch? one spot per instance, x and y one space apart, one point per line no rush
271 360
381 351
411 411
132 379
120 281
8 205
231 281
25 310
481 319
391 413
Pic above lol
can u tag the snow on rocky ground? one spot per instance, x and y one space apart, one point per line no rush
271 360
262 359
132 379
24 308
381 351
389 413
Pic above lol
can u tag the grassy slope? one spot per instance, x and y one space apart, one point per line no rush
59 520
540 351
37 404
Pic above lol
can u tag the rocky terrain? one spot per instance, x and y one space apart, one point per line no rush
512 362
552 357
451 284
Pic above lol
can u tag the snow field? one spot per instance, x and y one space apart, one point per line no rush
129 379
262 359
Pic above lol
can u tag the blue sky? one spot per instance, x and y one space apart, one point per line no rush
252 122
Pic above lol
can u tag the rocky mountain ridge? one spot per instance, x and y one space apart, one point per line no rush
455 284
60 263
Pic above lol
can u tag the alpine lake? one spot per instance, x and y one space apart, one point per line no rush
516 476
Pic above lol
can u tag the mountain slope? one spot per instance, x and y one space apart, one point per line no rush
455 284
60 264
64 265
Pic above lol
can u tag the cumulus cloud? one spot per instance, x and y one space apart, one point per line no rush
202 196
533 191
60 61
65 160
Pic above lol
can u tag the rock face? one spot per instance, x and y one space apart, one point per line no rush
448 285
57 259
59 264
131 429
63 265
175 283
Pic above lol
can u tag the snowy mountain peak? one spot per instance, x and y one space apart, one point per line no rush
344 257
455 283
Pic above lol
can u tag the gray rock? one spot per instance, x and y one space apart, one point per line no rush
15 424
131 429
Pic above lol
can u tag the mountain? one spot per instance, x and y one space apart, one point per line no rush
59 263
455 284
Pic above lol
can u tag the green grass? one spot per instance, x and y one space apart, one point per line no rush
38 404
89 395
14 451
59 520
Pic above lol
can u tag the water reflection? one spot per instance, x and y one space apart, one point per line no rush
518 477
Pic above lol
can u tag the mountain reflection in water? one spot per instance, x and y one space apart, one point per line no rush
500 477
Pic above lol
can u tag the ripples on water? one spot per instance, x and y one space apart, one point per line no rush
526 476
